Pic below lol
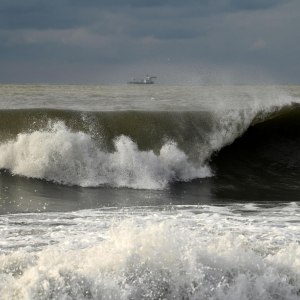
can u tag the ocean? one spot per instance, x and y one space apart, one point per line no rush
149 192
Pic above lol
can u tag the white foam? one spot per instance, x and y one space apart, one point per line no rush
208 255
60 155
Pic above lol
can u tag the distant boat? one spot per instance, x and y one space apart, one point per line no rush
146 80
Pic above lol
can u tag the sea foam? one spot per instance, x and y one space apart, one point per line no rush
215 255
74 158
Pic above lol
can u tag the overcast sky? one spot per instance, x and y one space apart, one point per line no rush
180 41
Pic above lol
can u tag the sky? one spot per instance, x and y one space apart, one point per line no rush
179 41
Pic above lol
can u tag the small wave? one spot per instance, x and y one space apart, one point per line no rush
57 154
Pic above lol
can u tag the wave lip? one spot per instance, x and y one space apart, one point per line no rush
74 158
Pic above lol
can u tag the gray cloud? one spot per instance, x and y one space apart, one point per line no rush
116 38
255 4
68 13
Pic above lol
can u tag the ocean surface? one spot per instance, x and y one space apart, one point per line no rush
149 192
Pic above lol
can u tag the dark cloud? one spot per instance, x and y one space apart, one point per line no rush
44 14
256 4
39 14
130 34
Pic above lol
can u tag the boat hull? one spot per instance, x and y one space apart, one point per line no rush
137 82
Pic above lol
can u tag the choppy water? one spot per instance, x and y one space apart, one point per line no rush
149 192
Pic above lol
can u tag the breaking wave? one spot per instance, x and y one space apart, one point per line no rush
143 150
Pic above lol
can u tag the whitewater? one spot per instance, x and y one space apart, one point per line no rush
161 192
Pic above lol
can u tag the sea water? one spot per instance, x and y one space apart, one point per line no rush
149 192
